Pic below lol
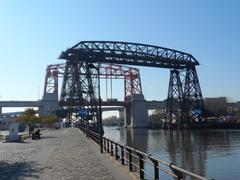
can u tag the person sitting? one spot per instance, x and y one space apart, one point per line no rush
31 129
36 134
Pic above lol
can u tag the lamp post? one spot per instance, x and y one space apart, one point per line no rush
100 128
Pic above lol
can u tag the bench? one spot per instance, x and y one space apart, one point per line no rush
36 134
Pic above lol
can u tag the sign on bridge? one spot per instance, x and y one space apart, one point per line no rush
83 112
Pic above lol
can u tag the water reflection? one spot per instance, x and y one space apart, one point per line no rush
184 150
205 152
136 138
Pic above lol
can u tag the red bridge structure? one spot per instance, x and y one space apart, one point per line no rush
131 76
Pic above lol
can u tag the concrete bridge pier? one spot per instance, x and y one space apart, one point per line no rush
121 116
49 104
136 115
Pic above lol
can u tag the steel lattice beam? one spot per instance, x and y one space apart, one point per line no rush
129 53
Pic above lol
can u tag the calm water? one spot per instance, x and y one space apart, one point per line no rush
210 153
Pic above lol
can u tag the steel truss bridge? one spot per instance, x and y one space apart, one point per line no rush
86 61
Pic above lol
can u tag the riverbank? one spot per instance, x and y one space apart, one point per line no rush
60 154
197 125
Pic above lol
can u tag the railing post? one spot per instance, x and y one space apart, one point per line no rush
116 151
156 170
141 166
122 155
130 160
108 146
178 173
104 143
111 148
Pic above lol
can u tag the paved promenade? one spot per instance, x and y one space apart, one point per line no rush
60 154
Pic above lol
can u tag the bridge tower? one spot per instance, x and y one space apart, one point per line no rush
184 96
49 101
192 94
130 75
78 94
175 97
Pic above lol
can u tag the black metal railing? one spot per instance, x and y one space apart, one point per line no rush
137 160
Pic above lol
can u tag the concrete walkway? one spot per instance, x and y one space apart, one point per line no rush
60 154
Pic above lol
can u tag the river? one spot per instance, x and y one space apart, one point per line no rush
214 154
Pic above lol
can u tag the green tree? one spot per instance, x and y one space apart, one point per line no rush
157 116
49 119
28 116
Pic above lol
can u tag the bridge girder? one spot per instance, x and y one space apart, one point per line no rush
129 53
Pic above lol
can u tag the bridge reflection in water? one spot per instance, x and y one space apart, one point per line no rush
210 153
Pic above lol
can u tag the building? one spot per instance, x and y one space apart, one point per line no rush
216 106
219 106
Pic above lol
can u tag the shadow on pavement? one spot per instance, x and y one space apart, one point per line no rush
18 142
19 170
46 137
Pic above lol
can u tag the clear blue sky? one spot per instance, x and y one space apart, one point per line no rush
33 34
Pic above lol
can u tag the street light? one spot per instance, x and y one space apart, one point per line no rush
100 128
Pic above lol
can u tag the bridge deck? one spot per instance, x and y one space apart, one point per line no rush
20 103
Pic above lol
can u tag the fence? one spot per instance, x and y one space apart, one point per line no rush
137 160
